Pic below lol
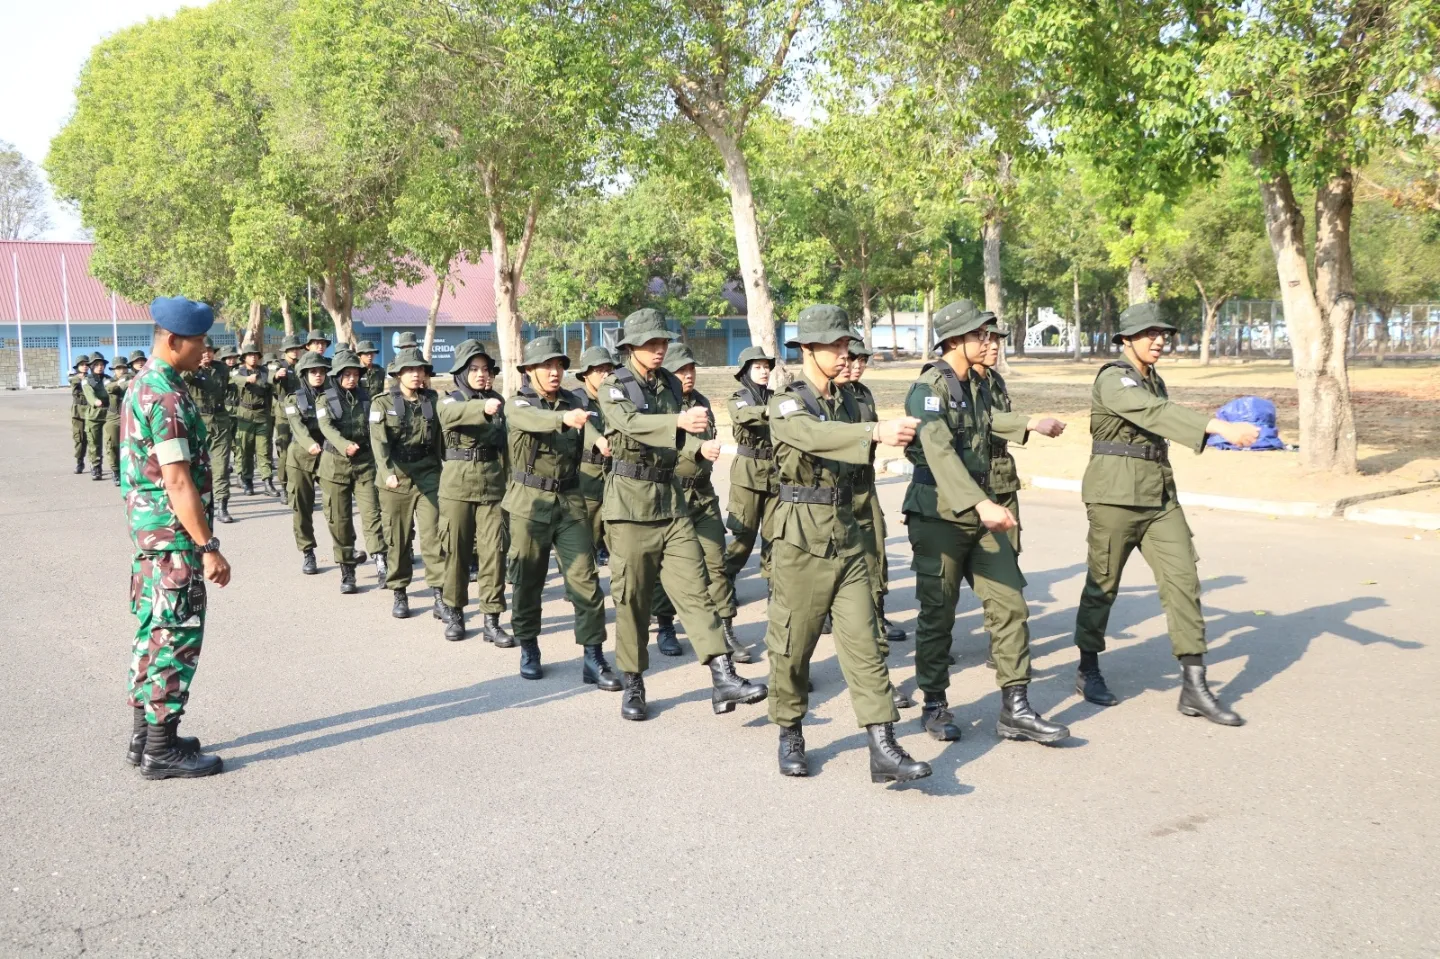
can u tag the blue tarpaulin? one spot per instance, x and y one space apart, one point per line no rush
1249 409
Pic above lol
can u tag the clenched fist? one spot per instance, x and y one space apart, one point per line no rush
896 432
694 420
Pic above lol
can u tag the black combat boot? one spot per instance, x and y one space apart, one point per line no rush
1090 684
495 633
729 688
597 672
455 624
116 477
1197 700
900 700
474 571
937 718
602 557
888 762
308 566
95 473
80 466
347 579
439 610
248 485
223 513
138 730
632 703
271 488
401 609
382 568
1019 720
164 758
893 633
360 557
792 752
738 650
530 667
665 637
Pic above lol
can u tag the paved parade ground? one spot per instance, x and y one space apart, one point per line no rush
387 793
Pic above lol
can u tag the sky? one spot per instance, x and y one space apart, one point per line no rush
47 44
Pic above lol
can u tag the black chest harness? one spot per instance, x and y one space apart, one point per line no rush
336 406
636 395
470 454
1154 451
527 476
817 494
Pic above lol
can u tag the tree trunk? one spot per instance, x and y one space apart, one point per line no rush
285 313
440 276
1212 320
337 296
255 325
508 266
1138 281
1075 306
1317 317
1017 339
927 324
1382 336
759 307
1107 323
867 316
992 229
894 332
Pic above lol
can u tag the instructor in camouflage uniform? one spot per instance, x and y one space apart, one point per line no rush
165 478
1130 499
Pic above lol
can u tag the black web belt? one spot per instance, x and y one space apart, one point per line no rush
1139 451
255 407
695 482
549 484
475 454
651 474
755 452
410 456
925 477
817 495
594 458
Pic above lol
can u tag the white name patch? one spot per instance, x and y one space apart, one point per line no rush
616 394
1127 381
522 402
932 404
375 417
391 413
742 402
448 399
789 406
289 410
322 412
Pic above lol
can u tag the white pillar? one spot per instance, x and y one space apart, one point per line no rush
22 381
114 322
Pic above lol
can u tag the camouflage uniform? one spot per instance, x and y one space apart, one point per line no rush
160 424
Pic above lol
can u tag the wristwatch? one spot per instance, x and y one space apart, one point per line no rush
211 547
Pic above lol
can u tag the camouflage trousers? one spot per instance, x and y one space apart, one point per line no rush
167 596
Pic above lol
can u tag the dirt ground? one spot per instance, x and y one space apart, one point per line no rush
1395 410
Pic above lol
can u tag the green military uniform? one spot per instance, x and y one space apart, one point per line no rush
647 523
818 561
302 408
286 383
547 511
752 472
989 392
97 409
254 419
347 475
78 435
209 387
372 377
949 541
1131 502
594 464
407 443
115 390
472 484
702 505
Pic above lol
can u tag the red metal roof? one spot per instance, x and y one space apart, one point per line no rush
469 299
48 271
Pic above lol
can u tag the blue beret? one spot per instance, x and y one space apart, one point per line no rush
181 316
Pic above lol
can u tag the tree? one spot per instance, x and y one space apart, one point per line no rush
1397 261
23 215
1217 245
1305 90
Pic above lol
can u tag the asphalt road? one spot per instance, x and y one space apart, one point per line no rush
387 793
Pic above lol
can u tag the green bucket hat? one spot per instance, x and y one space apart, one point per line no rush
82 360
311 361
344 360
247 348
645 325
270 359
540 349
120 360
821 323
291 342
312 335
97 358
407 359
957 319
1139 318
225 352
406 341
466 352
999 327
366 346
678 357
749 355
209 343
593 357
858 348
138 356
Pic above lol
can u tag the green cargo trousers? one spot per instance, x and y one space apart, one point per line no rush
78 436
252 443
1164 539
748 514
805 588
943 553
1011 501
416 502
220 436
474 529
718 585
95 438
112 441
300 494
341 496
597 526
282 448
665 552
531 540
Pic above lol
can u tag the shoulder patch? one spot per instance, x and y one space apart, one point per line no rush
322 412
375 416
391 413
1127 381
742 402
522 402
448 399
932 404
616 393
789 406
290 410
